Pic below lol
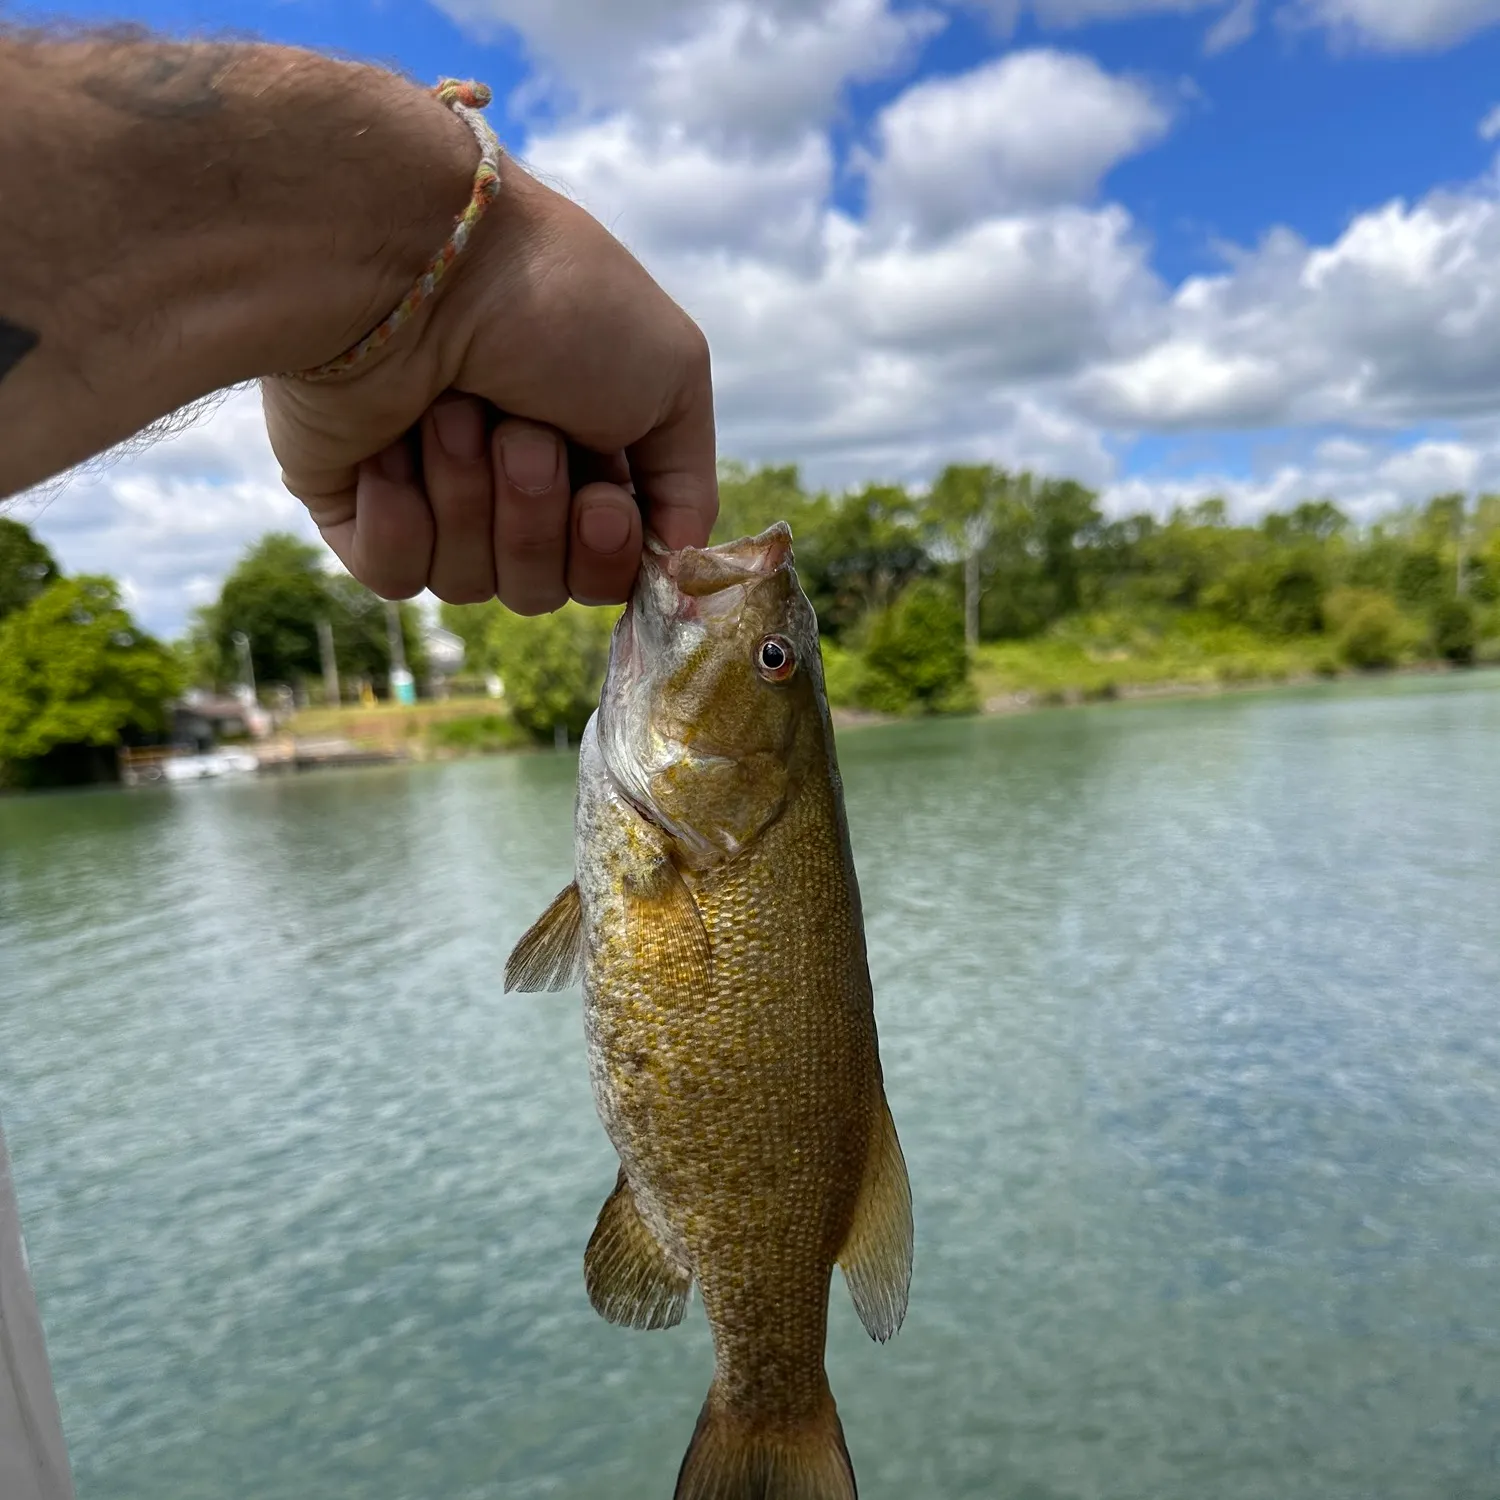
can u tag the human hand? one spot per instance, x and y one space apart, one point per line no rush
498 445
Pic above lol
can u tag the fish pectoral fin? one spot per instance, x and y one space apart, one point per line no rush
666 926
550 956
876 1258
629 1276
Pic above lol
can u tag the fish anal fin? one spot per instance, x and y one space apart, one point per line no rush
550 956
731 1458
876 1258
630 1279
666 926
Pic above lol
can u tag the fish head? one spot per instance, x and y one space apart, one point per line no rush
714 676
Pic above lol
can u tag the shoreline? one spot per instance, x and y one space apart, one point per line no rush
1021 701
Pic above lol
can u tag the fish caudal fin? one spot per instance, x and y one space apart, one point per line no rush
629 1278
732 1459
550 956
876 1258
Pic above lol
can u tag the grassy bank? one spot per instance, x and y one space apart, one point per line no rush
1100 657
423 731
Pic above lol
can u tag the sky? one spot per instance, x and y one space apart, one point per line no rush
1170 248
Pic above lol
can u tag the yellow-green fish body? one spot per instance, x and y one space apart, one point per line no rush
731 1029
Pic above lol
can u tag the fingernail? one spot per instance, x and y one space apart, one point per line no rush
396 462
460 429
603 528
531 459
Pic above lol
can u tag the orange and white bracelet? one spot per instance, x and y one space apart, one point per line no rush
466 100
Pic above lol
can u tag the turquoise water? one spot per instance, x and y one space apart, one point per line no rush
1189 1015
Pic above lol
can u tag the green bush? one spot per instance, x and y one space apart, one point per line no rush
477 734
914 656
1367 627
842 675
552 666
1455 631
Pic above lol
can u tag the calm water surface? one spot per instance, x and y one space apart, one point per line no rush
1189 1019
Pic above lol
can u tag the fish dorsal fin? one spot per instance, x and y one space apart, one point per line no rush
666 926
629 1277
550 956
876 1258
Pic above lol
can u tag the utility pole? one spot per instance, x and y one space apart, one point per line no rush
247 669
403 688
330 664
1460 530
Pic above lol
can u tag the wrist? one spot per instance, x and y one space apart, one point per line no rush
199 216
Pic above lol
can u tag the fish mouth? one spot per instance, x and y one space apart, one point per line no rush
696 574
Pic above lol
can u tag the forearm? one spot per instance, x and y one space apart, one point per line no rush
178 218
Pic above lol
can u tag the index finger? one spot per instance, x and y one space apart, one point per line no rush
675 466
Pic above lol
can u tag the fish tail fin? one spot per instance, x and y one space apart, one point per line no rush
733 1457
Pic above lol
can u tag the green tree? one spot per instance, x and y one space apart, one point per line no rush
275 596
76 672
959 517
26 566
856 554
552 666
750 500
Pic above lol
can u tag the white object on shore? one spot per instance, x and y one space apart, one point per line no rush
33 1456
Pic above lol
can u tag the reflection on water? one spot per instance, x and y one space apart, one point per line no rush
1188 1015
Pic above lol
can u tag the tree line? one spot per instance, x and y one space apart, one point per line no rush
912 588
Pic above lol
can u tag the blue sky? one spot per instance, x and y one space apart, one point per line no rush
1173 247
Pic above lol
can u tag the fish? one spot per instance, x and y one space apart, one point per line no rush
715 922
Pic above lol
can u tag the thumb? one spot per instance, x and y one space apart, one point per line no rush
674 467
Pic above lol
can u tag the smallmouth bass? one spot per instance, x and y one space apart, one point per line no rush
715 920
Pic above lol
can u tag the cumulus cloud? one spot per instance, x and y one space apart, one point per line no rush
1033 128
1387 25
1395 322
169 519
1396 25
757 70
1364 480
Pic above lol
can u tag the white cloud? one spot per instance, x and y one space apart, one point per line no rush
1065 13
1365 480
1236 25
666 191
1036 127
1489 126
170 518
761 70
1387 25
1396 25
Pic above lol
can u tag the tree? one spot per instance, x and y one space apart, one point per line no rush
552 666
856 554
26 566
959 516
75 671
275 596
750 500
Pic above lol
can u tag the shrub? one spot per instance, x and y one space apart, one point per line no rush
1367 627
1455 631
477 734
915 657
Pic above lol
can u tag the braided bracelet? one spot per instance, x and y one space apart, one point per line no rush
465 100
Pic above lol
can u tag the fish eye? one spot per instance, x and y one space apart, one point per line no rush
775 658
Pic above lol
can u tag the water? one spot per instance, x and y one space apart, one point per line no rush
1189 1019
